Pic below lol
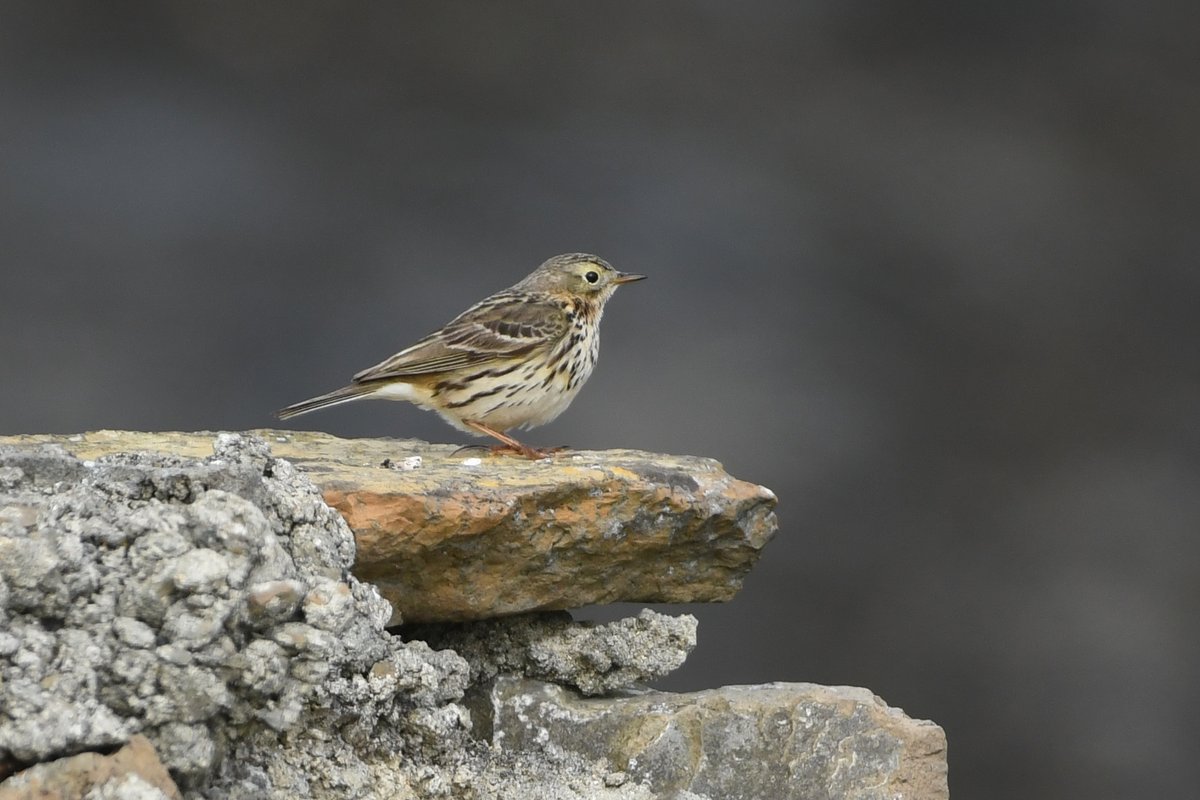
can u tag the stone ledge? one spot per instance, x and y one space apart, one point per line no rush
453 536
771 742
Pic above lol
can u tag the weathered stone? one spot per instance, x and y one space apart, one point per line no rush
131 773
191 600
770 742
207 602
468 536
550 646
273 601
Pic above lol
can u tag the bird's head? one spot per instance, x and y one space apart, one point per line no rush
579 274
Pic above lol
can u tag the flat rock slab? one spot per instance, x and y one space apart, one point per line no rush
453 536
778 741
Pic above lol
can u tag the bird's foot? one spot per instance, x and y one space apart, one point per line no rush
511 445
532 453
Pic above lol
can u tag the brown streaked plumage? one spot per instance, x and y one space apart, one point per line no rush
515 359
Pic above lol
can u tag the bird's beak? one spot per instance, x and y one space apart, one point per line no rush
627 277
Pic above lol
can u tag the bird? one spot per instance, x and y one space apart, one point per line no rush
515 359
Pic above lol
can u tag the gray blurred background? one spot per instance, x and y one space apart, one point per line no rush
928 270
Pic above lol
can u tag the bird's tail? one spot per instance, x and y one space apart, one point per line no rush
354 391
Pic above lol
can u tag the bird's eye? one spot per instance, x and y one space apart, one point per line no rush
591 277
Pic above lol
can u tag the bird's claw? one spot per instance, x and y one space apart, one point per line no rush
532 453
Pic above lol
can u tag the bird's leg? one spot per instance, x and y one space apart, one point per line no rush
510 445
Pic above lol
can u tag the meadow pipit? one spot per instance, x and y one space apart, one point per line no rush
513 360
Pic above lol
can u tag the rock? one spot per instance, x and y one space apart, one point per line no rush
774 742
592 658
463 536
206 603
131 773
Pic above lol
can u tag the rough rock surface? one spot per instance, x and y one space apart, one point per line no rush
131 773
592 658
773 742
452 536
206 603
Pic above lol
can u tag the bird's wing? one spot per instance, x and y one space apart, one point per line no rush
502 327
